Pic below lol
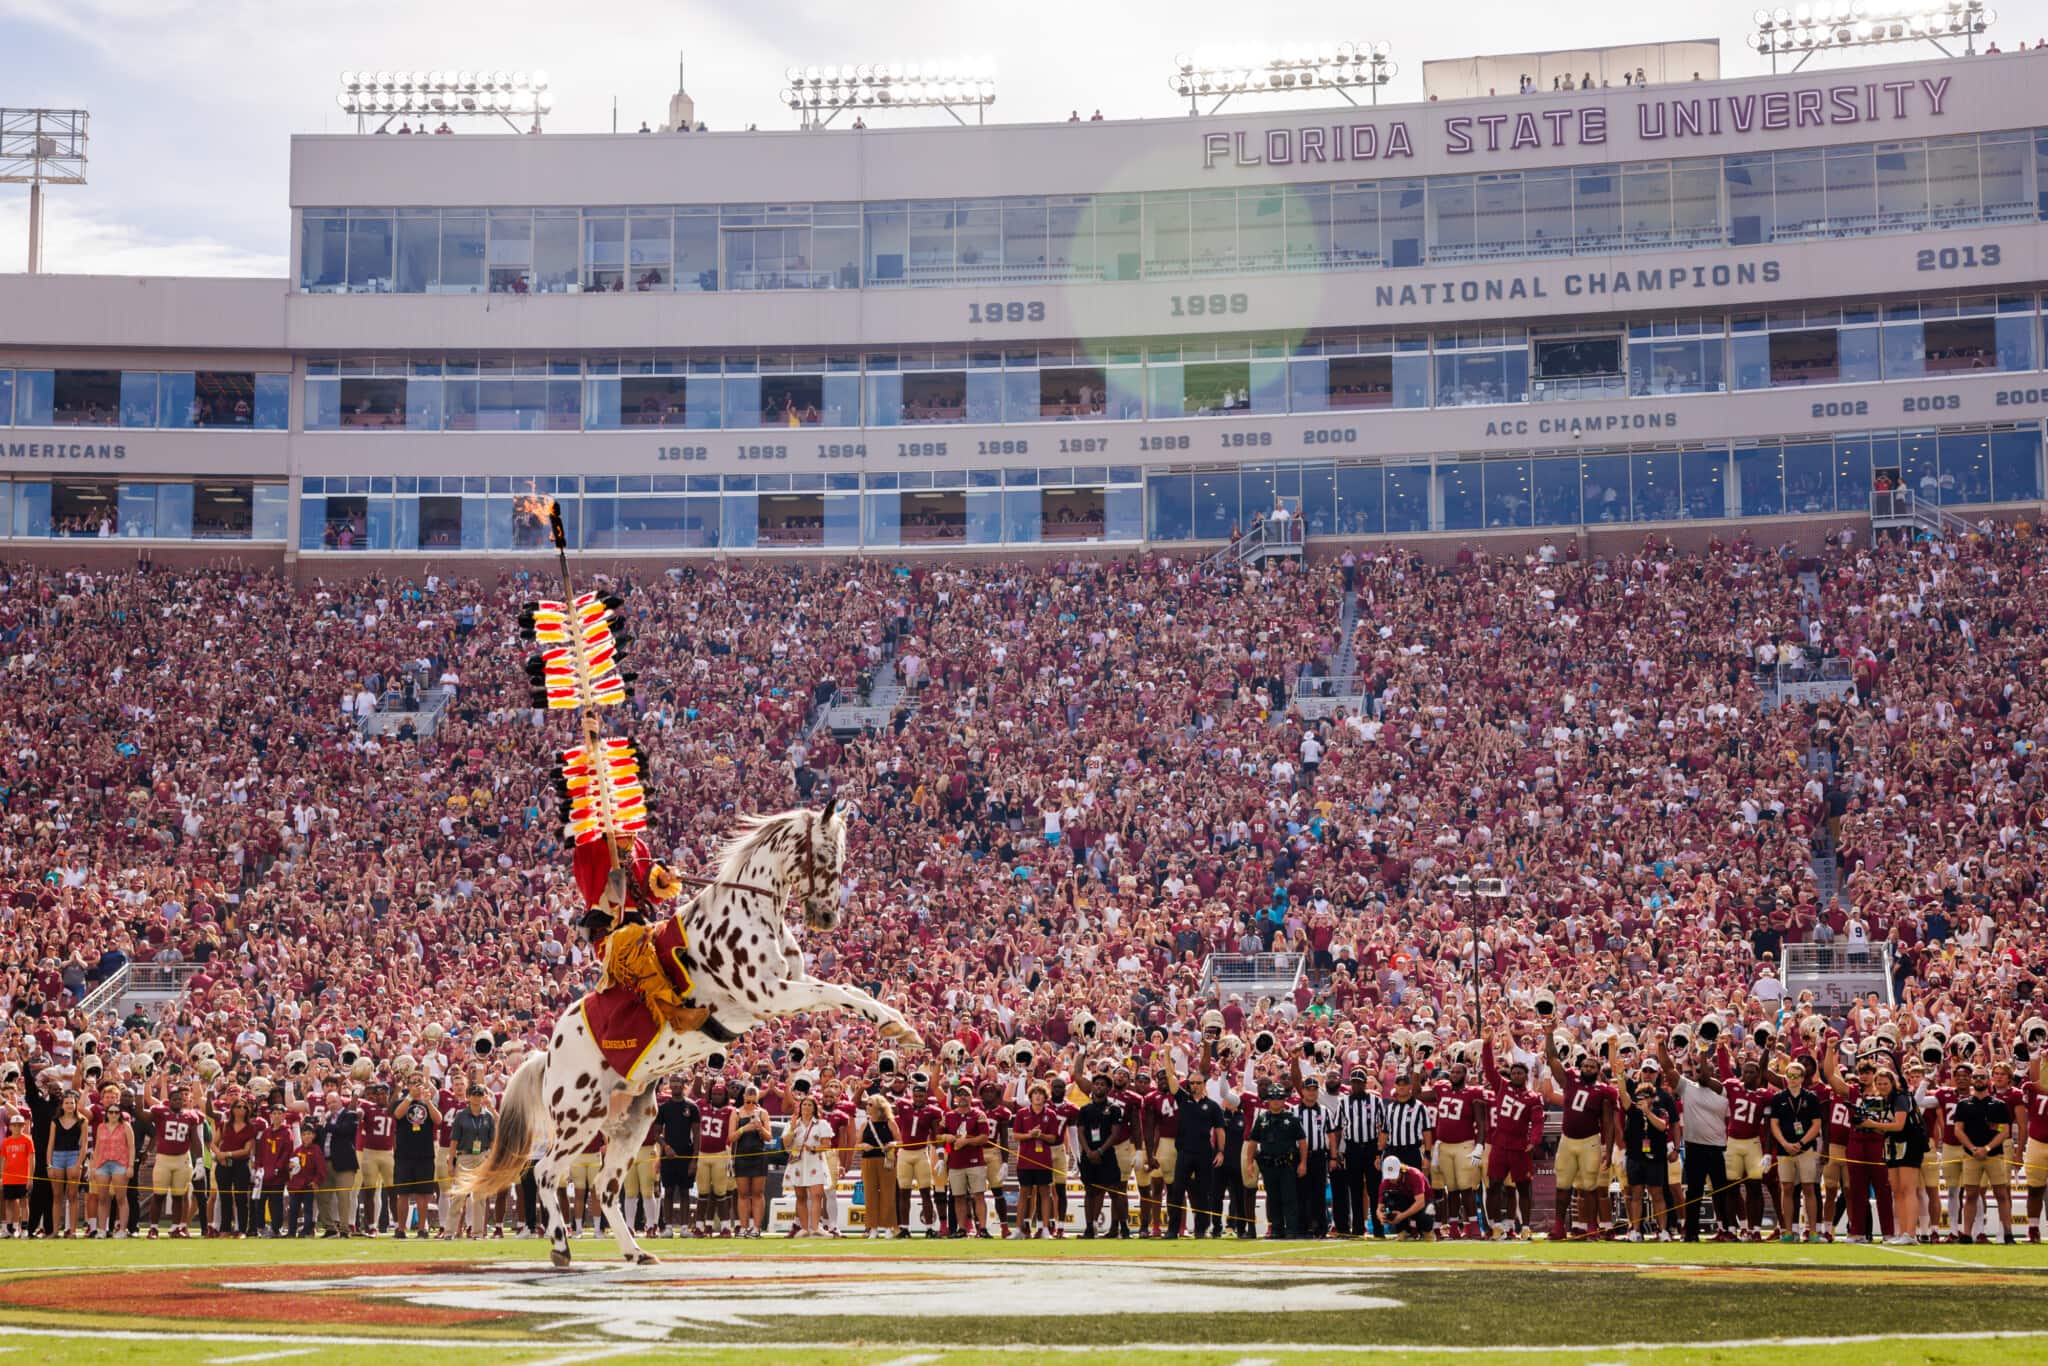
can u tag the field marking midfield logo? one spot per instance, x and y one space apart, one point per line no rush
650 1303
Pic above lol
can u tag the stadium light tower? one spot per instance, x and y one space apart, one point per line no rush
388 95
1342 67
1826 25
41 147
820 94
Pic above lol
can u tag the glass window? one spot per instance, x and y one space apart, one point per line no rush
6 407
462 254
1852 475
1952 188
1261 230
174 512
2002 174
1547 212
323 253
369 255
1508 493
269 507
419 253
1308 227
1800 179
1023 516
1851 189
1810 476
1654 487
1901 184
1760 481
510 251
1596 208
1451 230
1361 500
1603 488
1905 351
138 398
1646 204
1407 500
222 510
1919 464
1212 230
1216 505
34 398
1170 507
1965 467
273 402
1497 212
1747 180
2016 465
1355 225
1704 477
1554 488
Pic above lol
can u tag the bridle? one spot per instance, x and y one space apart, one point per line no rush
809 866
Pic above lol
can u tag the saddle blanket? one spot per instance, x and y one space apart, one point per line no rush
623 1026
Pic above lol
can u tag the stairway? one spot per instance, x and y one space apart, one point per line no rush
878 708
1337 690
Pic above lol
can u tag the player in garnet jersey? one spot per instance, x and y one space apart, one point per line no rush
1001 1144
1461 1114
1946 1097
178 1125
717 1192
1039 1129
376 1142
1514 1132
2015 1101
1749 1098
1591 1129
2034 1100
921 1122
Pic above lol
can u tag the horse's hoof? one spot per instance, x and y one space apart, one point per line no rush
559 1256
642 1259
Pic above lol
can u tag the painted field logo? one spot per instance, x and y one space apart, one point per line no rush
650 1303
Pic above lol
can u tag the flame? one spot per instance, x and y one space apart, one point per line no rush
535 506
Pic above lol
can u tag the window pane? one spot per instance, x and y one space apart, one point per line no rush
419 255
369 255
1653 485
2016 466
138 398
1555 487
1810 477
1704 476
323 254
1603 488
1407 500
1760 481
1507 493
1170 507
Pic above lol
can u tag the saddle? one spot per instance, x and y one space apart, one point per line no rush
646 988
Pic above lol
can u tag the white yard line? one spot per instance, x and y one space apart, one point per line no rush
914 1359
1930 1256
263 1356
1254 1361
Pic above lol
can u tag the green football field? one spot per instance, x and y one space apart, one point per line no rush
934 1303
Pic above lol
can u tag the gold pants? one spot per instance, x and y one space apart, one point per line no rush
630 960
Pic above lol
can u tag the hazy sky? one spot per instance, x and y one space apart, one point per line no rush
193 101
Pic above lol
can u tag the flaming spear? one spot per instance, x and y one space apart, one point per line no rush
601 796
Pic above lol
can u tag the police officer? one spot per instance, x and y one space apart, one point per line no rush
1282 1147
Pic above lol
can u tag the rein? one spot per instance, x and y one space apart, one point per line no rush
689 881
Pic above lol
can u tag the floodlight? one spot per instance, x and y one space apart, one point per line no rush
821 94
1294 66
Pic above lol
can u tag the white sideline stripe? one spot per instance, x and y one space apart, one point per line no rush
1070 1349
914 1359
263 1356
1253 1361
1930 1256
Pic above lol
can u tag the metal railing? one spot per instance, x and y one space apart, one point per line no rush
159 979
1252 975
108 992
1271 536
1901 507
1837 974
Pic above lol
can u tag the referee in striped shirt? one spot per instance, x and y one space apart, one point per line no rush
1407 1128
1355 1145
1313 1204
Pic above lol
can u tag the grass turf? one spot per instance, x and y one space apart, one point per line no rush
1592 1302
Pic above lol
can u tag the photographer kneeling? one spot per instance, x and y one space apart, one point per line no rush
1405 1208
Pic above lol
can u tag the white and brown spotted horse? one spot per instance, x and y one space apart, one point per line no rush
744 964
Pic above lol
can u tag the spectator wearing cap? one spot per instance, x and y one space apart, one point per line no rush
1703 1101
17 1170
968 1133
1281 1145
1404 1205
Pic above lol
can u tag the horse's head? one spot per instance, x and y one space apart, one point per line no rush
820 856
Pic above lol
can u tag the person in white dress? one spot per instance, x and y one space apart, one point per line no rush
809 1138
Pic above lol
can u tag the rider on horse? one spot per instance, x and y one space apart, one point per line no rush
621 895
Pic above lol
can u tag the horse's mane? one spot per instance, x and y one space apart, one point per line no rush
748 836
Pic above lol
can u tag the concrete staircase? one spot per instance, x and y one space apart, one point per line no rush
1338 690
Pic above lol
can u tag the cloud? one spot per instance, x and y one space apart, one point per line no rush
80 242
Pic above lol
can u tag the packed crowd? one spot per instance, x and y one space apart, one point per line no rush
1093 785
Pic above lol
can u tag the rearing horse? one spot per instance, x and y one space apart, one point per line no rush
743 963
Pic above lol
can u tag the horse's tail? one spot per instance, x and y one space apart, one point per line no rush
521 1121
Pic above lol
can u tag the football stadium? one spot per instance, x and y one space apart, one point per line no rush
1430 691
